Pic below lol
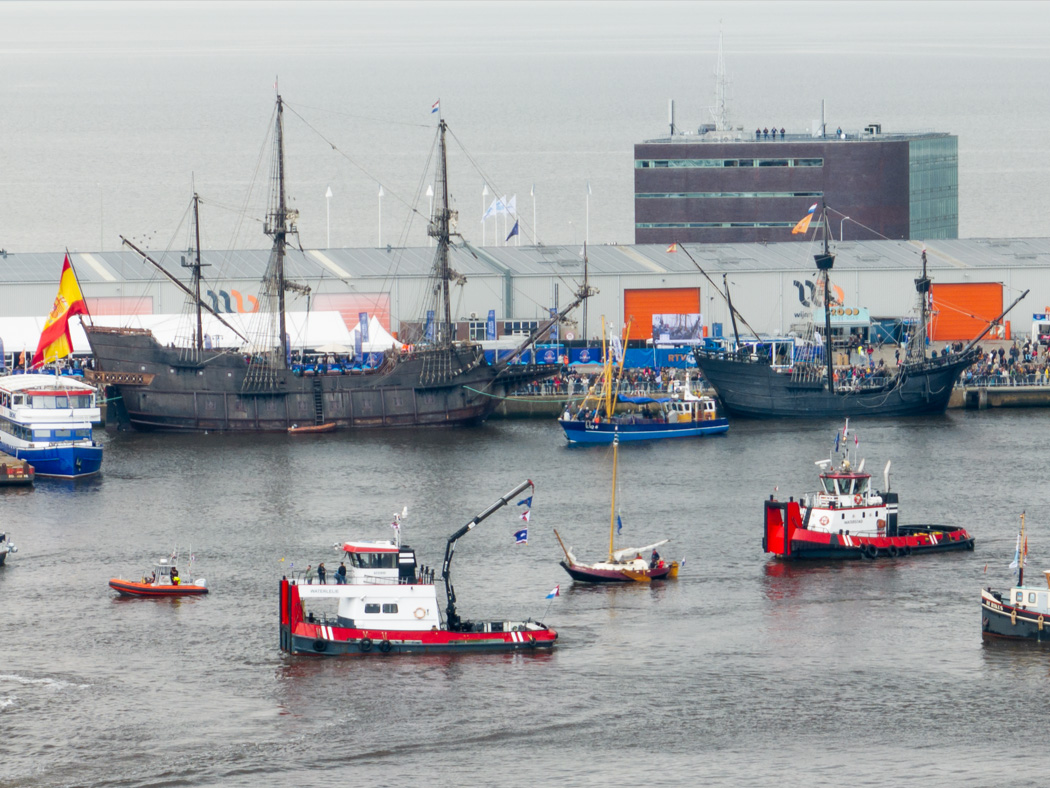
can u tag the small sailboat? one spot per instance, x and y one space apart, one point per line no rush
1023 613
625 565
163 581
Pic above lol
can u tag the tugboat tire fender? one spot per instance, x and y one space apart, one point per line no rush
532 642
1040 623
893 551
906 550
319 646
384 646
365 644
871 551
1013 618
969 545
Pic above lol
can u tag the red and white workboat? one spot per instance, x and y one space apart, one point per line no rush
389 605
847 518
163 581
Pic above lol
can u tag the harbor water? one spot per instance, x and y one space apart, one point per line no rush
744 671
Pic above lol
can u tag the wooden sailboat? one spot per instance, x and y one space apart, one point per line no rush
625 565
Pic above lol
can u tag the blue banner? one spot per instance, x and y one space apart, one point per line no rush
637 358
357 347
428 331
362 319
554 328
490 325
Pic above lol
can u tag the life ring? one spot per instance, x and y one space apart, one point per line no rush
824 520
870 551
420 612
880 523
857 499
1013 617
365 644
320 645
384 646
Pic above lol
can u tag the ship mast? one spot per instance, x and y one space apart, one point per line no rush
917 345
440 228
279 223
825 261
196 266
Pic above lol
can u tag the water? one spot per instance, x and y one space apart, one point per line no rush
743 671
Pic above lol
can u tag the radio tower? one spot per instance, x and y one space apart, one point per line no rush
719 111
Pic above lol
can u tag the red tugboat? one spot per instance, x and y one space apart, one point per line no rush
388 605
846 518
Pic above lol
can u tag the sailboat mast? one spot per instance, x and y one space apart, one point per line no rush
1021 554
732 312
612 512
199 339
917 345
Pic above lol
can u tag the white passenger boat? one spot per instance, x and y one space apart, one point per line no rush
46 420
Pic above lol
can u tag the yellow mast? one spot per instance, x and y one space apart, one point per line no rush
606 372
612 513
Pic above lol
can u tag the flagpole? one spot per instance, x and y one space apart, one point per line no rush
535 228
484 194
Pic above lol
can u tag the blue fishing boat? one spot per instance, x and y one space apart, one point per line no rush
605 414
655 418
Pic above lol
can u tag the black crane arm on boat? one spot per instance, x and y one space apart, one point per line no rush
178 283
450 610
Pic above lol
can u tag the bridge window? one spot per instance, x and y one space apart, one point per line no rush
390 608
370 608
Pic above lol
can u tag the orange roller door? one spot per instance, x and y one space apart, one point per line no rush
639 306
964 310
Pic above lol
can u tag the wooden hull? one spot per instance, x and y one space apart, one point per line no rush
131 588
587 574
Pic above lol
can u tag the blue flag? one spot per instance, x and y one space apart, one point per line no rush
362 320
490 325
525 501
837 441
619 524
513 231
428 330
522 536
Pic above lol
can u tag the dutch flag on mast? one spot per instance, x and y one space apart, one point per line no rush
435 107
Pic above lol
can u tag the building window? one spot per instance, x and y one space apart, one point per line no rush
643 164
723 195
520 326
476 330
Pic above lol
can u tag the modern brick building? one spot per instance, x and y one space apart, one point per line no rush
723 187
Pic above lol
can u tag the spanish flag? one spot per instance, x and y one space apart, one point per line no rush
803 224
673 247
55 341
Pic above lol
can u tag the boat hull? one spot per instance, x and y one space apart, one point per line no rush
62 461
577 431
1002 621
586 574
753 389
159 390
786 536
132 588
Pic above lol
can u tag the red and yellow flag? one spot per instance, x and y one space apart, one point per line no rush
55 341
673 247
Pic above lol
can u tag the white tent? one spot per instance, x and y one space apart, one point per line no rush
378 338
305 330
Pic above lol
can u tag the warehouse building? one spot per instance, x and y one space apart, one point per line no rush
774 286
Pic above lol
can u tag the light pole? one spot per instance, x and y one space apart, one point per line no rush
587 227
328 216
535 231
484 194
844 218
430 194
380 231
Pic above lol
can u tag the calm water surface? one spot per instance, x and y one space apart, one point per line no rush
742 672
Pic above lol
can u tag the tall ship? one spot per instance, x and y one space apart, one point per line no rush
435 382
796 377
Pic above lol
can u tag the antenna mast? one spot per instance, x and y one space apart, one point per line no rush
720 111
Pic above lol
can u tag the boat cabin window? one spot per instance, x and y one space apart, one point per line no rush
19 399
390 608
373 560
1019 596
1031 597
829 486
862 485
370 608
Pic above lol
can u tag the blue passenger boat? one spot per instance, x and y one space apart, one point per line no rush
687 416
46 420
